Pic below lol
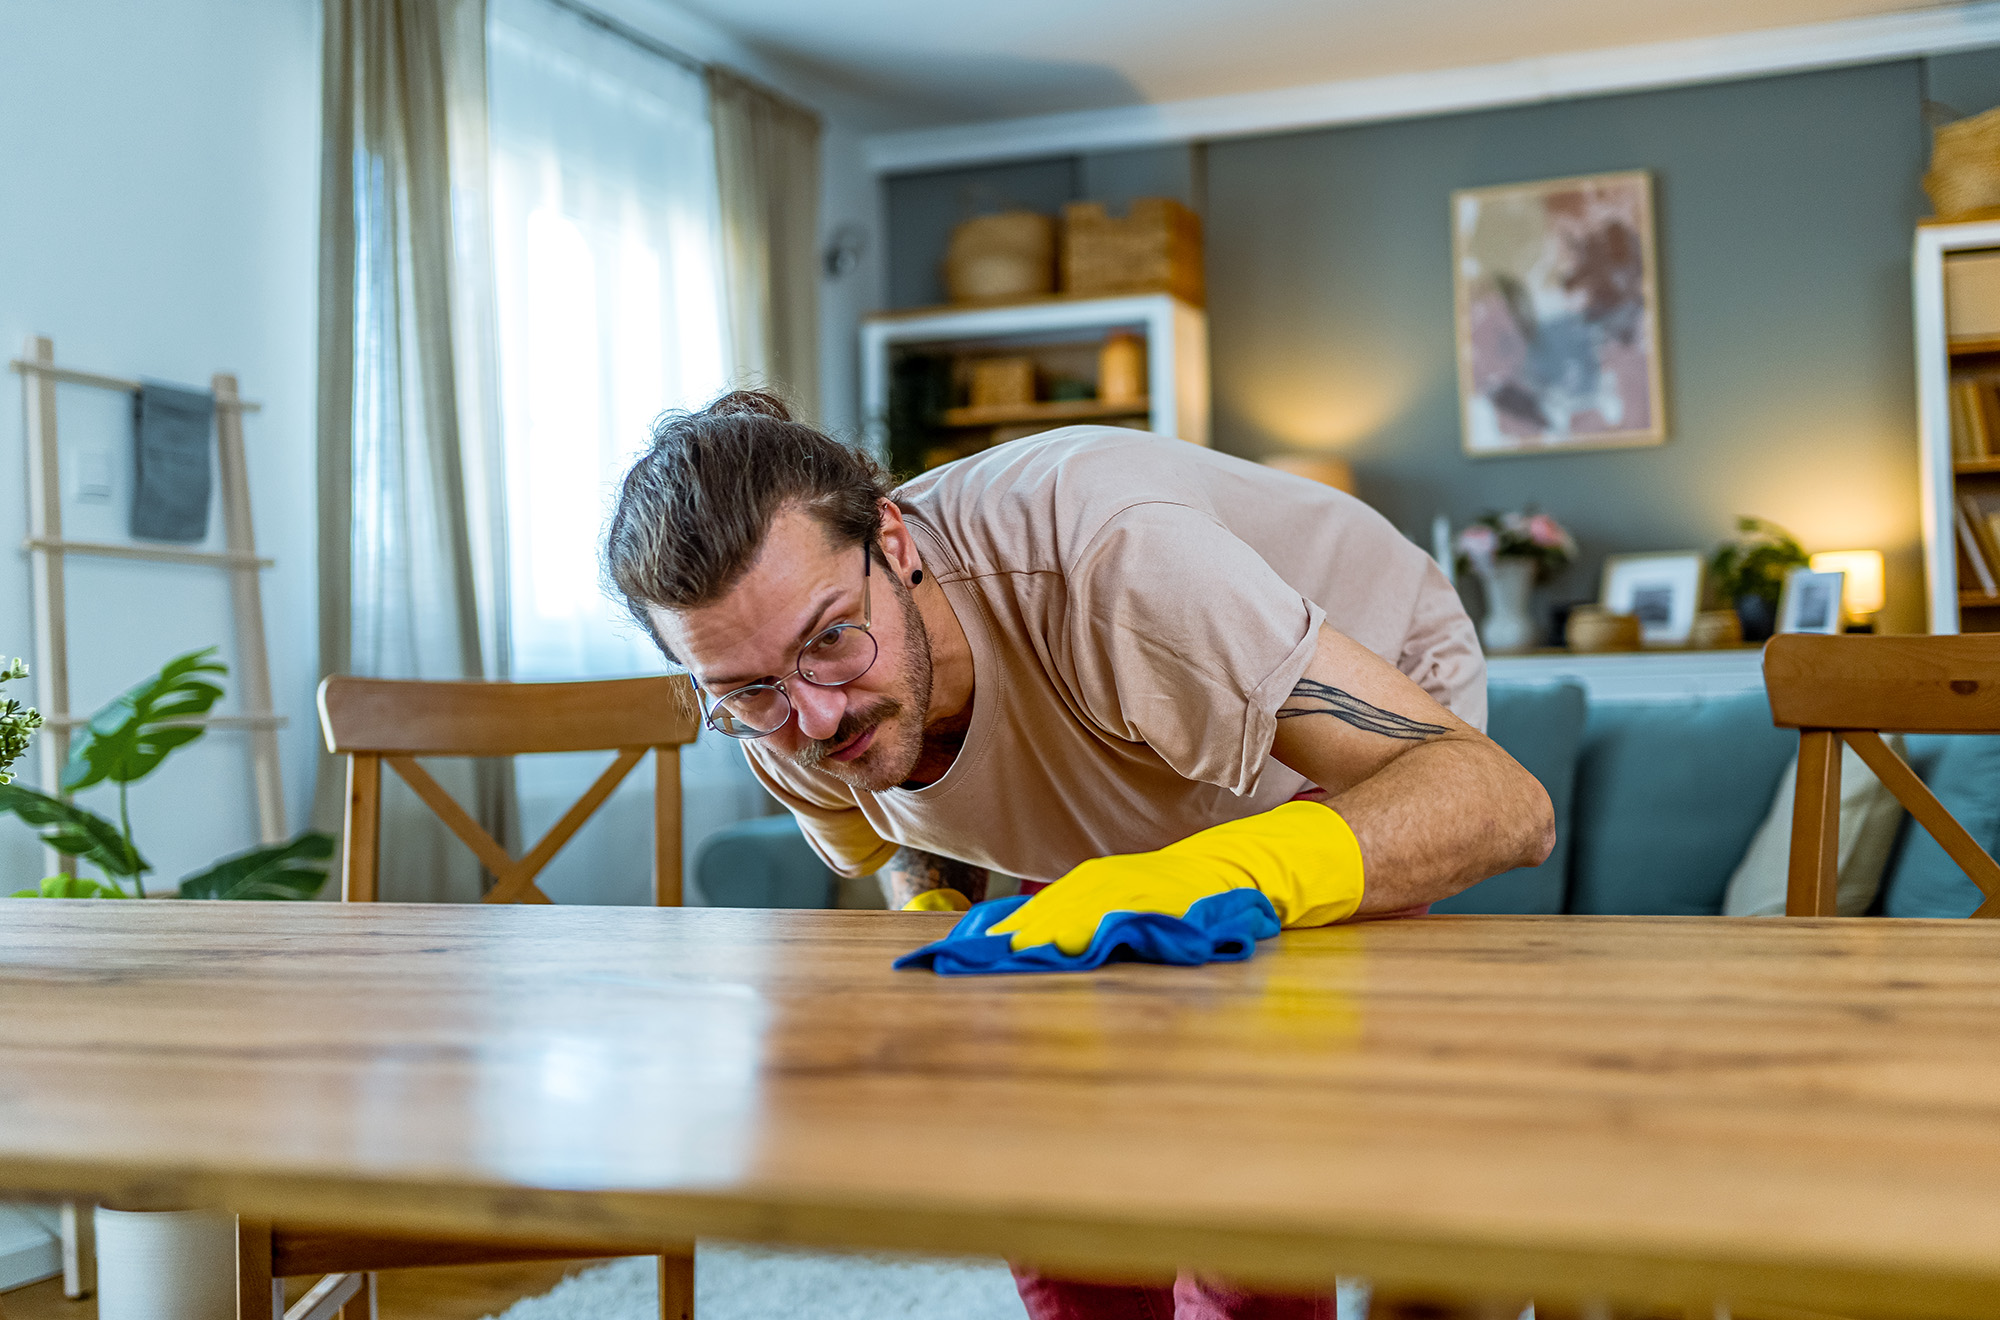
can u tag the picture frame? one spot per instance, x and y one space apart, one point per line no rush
1664 590
1557 316
1812 602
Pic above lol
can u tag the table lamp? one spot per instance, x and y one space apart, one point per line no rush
1863 595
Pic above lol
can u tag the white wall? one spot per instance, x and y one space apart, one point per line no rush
850 194
159 217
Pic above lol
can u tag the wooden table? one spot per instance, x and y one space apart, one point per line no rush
1660 1109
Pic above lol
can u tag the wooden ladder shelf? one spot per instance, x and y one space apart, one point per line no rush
47 549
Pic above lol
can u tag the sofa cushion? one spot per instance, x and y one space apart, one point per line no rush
760 863
1541 726
1869 820
1668 797
1964 772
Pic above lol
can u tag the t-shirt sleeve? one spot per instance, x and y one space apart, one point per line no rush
833 825
1183 638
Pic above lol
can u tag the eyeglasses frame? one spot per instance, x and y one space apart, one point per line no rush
867 625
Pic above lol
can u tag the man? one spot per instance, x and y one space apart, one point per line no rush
1064 653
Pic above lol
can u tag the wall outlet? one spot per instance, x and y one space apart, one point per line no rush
93 476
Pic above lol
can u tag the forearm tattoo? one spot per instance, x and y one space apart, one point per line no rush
1312 697
910 872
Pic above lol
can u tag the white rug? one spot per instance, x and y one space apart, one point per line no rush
761 1283
769 1283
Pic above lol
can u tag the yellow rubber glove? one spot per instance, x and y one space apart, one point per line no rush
1301 856
938 900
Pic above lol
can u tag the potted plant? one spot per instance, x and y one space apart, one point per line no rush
1748 573
1511 553
122 744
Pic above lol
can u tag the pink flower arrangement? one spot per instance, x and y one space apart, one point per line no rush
1525 534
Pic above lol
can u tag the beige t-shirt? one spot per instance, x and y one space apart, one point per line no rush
1138 609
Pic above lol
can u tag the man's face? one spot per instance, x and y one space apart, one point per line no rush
869 733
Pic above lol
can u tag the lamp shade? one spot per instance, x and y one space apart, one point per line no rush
1865 591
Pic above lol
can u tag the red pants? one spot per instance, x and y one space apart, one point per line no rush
1190 1298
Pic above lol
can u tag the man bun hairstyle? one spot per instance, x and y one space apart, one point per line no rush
694 509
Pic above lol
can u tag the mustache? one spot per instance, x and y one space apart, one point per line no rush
855 721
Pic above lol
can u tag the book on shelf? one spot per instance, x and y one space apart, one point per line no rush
1979 538
1975 418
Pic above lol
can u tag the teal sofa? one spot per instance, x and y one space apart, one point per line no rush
1655 801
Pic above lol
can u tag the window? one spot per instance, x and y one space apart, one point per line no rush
609 311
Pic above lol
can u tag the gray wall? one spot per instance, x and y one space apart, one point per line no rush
1784 211
1783 215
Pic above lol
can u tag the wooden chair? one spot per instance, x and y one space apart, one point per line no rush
1853 689
376 722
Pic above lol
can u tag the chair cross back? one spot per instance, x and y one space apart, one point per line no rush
374 722
1853 689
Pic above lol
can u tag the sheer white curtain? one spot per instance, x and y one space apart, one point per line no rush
609 308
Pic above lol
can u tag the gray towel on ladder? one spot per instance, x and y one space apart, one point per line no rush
171 463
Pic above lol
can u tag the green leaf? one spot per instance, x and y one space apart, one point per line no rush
69 886
292 870
73 831
127 740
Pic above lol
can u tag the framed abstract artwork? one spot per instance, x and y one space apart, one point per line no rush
1558 315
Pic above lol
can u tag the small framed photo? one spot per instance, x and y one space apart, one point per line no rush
1664 590
1811 603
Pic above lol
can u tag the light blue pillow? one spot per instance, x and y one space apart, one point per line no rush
1668 797
1541 726
1964 772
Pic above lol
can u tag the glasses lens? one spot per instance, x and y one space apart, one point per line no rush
751 712
839 655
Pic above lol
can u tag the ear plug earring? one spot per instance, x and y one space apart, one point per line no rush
916 577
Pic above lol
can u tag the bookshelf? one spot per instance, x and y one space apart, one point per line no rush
914 368
1956 286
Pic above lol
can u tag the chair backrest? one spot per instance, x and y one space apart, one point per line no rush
373 721
1853 689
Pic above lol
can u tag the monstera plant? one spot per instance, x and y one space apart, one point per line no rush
122 744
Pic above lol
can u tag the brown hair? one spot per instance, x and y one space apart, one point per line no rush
694 508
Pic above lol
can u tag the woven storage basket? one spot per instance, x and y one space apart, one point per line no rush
1964 177
1003 381
1156 248
997 257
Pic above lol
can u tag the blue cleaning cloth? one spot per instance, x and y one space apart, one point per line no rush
1223 927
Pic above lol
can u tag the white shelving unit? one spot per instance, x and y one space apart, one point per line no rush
1938 473
1175 334
1639 675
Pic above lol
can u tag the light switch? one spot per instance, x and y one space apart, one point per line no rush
93 476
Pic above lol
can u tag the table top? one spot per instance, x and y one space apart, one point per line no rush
1798 1111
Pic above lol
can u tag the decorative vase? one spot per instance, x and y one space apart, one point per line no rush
1758 616
166 1265
1508 625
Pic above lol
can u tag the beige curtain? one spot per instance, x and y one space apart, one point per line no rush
411 499
767 166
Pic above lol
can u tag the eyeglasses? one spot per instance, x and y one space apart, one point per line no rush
833 658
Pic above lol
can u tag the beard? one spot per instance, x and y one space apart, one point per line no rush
900 740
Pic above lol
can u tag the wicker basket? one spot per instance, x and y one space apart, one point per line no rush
994 258
1964 178
1156 248
1002 382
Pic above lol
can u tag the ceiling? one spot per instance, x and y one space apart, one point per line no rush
937 63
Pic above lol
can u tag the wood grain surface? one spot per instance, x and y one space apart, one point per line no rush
1657 1109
